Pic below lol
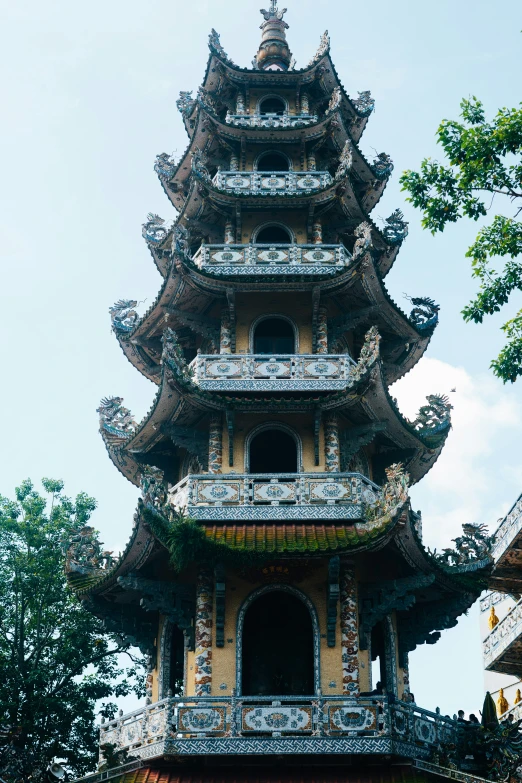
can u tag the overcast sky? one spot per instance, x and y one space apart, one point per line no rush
89 93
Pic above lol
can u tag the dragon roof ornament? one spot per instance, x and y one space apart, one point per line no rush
84 554
364 104
324 48
364 242
174 358
185 102
395 230
155 230
165 165
473 546
335 101
115 418
345 161
152 487
124 318
393 494
214 44
425 313
382 165
435 416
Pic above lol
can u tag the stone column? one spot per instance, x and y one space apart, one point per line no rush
331 444
305 104
406 677
203 657
349 631
229 233
317 233
234 163
215 444
240 103
225 341
312 164
321 345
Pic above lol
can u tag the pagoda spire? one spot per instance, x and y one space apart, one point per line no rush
274 53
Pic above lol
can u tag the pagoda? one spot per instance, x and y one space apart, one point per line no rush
275 576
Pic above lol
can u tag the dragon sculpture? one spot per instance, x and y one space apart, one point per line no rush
396 228
84 553
335 100
165 165
124 318
435 415
425 313
363 243
382 165
502 748
155 230
369 354
473 546
214 42
324 47
185 102
364 104
174 358
392 495
198 165
152 488
345 161
115 418
180 241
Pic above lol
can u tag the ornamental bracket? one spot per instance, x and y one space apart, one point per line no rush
355 438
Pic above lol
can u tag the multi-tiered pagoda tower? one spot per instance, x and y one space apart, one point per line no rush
275 575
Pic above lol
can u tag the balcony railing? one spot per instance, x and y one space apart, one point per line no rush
508 530
271 120
297 372
272 259
271 496
272 183
279 725
507 633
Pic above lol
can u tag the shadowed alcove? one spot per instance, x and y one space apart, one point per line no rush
273 451
274 336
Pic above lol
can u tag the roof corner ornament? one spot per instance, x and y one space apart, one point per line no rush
364 242
382 166
152 487
425 313
396 229
115 418
155 230
364 104
123 316
214 44
335 100
84 553
436 415
198 165
474 546
165 165
324 47
185 102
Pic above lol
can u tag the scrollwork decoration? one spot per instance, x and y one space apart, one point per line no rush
174 358
152 487
473 546
363 243
185 102
345 161
155 230
434 416
84 554
165 165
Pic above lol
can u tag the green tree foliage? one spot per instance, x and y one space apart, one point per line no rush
484 165
56 661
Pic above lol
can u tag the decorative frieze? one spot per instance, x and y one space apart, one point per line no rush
272 183
232 260
203 657
272 121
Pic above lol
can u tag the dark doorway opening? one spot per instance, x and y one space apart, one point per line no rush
273 106
378 650
278 647
273 161
177 661
274 336
274 235
273 451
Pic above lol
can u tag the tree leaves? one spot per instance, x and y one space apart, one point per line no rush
482 164
56 661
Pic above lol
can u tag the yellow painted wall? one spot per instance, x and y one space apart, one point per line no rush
298 307
294 220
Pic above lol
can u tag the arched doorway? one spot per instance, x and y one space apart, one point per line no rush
278 647
273 161
272 105
274 235
172 661
273 451
274 336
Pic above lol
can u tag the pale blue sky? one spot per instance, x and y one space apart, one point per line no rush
88 98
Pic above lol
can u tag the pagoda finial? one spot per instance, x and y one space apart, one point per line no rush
273 54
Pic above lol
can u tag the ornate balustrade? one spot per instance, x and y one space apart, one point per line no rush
508 530
271 120
272 259
279 725
271 496
504 636
247 372
272 183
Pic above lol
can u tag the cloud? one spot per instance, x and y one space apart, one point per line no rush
475 478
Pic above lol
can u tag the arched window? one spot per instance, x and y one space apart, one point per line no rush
384 664
273 451
278 647
274 235
273 161
274 336
272 105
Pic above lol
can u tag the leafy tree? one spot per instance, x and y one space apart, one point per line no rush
484 165
56 660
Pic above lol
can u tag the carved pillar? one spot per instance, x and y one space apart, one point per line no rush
405 677
321 345
234 163
229 233
215 444
240 103
225 340
305 104
317 233
312 163
331 444
203 658
349 631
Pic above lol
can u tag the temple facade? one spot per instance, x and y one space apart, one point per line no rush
276 577
501 617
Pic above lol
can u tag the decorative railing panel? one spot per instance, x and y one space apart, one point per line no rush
275 496
318 721
508 530
274 121
296 372
272 259
272 183
503 635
